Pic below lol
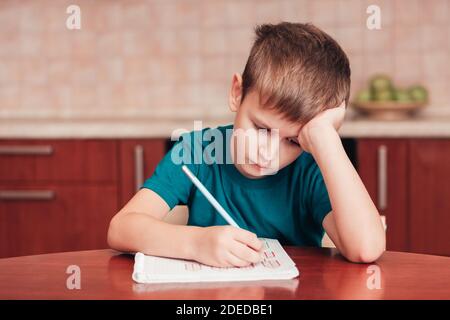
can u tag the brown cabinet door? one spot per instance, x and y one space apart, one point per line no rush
382 166
429 189
58 160
44 218
138 160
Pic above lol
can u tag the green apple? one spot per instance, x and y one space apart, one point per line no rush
364 95
402 95
384 95
380 83
418 93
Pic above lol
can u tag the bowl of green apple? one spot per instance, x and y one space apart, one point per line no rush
385 101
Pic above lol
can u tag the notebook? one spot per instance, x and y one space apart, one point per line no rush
276 264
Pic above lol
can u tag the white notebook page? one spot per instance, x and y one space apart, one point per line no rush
276 264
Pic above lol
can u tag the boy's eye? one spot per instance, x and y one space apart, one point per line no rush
294 142
260 128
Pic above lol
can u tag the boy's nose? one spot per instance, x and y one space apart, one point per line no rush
263 161
266 153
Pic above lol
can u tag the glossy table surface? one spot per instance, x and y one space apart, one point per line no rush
324 274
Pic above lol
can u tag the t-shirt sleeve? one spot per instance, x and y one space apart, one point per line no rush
320 204
168 180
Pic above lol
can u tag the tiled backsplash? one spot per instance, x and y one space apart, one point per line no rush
175 58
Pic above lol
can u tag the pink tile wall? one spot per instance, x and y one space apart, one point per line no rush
176 57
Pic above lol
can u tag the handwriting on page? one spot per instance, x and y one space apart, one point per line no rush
269 257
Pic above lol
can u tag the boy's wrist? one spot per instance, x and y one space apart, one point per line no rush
320 137
190 244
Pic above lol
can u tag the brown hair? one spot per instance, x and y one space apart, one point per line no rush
297 69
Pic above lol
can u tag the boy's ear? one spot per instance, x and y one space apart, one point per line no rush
235 92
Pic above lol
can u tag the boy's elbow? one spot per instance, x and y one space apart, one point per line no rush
367 254
111 237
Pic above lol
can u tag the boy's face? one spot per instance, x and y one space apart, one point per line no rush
271 140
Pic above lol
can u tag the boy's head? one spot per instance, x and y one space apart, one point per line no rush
294 72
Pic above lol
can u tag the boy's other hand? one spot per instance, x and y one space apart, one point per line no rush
227 246
322 125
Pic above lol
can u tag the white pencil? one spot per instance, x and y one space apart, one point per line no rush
209 197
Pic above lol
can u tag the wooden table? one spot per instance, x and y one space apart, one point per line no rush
324 274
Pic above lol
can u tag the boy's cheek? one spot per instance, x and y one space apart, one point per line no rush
286 158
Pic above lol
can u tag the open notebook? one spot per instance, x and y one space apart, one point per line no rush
276 264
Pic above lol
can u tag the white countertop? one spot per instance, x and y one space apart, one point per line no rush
435 122
427 125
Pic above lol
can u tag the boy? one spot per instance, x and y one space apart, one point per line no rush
296 185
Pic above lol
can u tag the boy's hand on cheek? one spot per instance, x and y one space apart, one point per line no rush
322 126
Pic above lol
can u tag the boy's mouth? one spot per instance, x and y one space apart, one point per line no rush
263 169
257 164
260 167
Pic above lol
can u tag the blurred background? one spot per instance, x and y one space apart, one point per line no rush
130 57
86 114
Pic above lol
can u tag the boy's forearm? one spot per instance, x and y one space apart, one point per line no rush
357 219
139 232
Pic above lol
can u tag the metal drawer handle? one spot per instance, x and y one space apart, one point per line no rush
26 150
382 177
138 166
27 195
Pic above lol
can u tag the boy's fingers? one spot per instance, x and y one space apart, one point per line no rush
249 239
236 261
244 252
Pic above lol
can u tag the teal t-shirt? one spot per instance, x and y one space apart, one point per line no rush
289 205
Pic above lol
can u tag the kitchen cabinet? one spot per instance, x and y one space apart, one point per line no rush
138 159
382 166
59 195
409 181
58 160
52 217
429 188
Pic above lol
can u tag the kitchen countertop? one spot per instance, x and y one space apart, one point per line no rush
431 124
435 122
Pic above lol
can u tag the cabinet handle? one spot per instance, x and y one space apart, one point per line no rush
26 150
27 195
382 177
138 166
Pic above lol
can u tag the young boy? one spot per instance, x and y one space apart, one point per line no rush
295 88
